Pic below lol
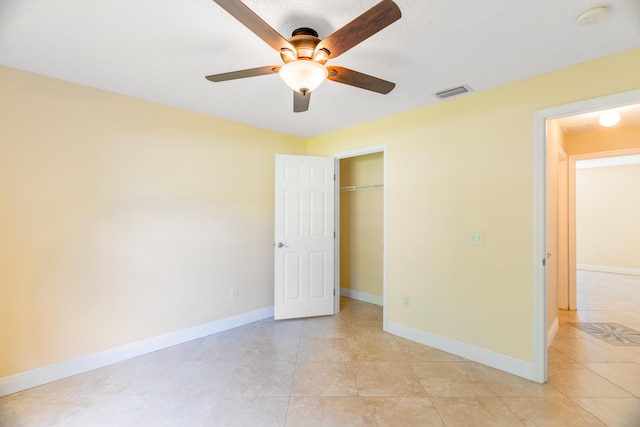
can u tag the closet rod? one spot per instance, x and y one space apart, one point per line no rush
362 187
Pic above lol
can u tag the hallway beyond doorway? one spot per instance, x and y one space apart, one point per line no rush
602 378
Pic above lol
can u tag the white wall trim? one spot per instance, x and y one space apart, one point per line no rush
36 377
361 296
476 354
604 156
609 269
604 162
540 300
553 330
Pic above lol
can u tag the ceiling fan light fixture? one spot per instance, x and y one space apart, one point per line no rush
303 75
609 118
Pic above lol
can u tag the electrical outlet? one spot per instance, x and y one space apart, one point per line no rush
234 293
406 301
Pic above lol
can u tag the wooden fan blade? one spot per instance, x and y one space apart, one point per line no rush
357 79
364 26
253 22
241 74
301 101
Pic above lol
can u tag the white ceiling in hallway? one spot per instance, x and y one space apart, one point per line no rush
588 122
161 50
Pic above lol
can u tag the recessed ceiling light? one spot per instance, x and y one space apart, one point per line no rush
593 15
609 118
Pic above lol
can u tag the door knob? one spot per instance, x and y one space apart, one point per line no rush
280 244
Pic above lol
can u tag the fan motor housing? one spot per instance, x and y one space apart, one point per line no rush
304 40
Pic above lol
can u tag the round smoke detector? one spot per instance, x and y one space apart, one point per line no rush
592 15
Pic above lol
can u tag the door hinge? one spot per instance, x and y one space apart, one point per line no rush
544 262
334 292
334 234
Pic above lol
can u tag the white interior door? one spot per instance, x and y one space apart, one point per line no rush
304 236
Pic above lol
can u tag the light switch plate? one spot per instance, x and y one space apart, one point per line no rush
476 237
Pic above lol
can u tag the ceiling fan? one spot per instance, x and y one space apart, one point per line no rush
304 54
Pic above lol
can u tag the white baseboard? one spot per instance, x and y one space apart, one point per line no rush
361 296
486 357
551 334
36 377
609 269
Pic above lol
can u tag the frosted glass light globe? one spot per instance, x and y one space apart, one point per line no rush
609 118
303 75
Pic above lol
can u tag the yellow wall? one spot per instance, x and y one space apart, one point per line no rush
361 224
605 139
607 212
467 164
122 220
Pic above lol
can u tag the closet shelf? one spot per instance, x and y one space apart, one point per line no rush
361 187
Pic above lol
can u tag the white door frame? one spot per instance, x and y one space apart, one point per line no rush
380 148
540 118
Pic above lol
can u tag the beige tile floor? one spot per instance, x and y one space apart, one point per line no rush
344 371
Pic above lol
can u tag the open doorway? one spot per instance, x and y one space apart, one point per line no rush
607 232
591 189
545 305
362 226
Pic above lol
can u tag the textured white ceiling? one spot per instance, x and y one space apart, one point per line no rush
160 50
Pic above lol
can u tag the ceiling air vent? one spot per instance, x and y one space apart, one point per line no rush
453 92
